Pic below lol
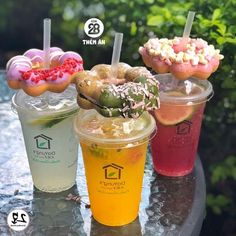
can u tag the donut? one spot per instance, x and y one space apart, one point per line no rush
133 91
26 71
183 58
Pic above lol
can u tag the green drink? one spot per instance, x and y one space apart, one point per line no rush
47 125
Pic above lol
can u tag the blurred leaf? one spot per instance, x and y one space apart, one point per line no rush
180 20
206 23
149 1
216 14
222 29
217 210
220 40
231 161
234 173
133 29
218 174
155 21
154 9
218 203
214 35
229 83
232 29
223 170
231 40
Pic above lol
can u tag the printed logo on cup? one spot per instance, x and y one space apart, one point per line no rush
18 220
112 183
112 171
93 28
183 127
44 150
43 141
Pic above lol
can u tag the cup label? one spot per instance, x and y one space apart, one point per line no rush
43 151
184 141
113 182
184 127
56 145
182 135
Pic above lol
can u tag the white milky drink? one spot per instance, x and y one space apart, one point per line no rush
47 125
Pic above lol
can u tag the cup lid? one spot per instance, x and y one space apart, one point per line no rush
90 125
187 91
46 104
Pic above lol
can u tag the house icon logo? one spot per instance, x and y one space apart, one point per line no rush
43 141
112 171
183 127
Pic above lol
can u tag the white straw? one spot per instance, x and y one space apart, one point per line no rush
116 53
188 24
46 42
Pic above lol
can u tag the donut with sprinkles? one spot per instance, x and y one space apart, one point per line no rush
182 58
26 71
128 94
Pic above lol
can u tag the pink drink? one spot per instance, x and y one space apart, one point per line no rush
179 121
174 148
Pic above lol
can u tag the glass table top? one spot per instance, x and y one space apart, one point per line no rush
169 206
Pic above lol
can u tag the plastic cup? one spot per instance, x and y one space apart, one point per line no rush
178 123
51 146
114 153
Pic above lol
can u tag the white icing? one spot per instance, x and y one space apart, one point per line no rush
55 55
194 60
19 59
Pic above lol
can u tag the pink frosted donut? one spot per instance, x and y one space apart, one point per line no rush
26 71
183 58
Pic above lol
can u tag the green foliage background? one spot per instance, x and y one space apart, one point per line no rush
21 28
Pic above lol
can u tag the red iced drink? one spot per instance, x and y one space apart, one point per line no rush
178 123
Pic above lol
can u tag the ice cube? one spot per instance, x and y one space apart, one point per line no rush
140 124
35 103
128 126
50 101
188 86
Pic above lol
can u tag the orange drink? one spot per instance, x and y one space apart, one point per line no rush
114 153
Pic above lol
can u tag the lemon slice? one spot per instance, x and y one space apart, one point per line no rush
49 121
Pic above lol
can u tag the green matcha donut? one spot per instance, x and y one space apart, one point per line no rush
138 93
